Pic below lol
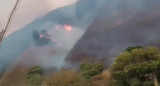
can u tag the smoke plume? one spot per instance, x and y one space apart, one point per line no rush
42 43
119 24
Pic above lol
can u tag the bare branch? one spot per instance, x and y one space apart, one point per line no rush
9 21
1 30
1 26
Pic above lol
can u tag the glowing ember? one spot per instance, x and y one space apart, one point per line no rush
68 27
65 26
47 36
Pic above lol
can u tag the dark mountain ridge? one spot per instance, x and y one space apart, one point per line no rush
118 25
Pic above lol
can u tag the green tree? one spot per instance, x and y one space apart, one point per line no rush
129 49
89 70
35 70
34 76
138 67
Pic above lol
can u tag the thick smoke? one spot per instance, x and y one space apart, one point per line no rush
26 47
120 24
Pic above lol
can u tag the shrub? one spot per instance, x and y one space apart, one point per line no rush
34 76
129 49
35 80
35 70
89 70
66 78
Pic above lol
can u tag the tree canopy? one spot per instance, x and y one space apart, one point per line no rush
89 70
34 76
137 67
129 49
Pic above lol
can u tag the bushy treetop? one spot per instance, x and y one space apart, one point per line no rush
139 64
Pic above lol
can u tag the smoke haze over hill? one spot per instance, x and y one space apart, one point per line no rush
26 44
119 24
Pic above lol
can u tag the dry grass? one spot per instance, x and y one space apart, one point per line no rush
102 79
72 78
65 77
15 77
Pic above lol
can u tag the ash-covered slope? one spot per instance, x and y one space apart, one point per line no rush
120 24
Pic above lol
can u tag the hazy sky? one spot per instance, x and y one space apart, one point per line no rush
28 10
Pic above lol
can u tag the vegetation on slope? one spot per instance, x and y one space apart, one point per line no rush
136 66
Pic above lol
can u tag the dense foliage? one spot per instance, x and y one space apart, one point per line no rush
138 67
129 49
65 77
89 70
34 76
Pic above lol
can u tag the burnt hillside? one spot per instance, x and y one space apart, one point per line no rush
118 25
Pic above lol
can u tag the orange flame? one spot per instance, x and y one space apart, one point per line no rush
65 26
48 36
68 28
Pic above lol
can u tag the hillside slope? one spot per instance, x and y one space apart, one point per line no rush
24 39
119 24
